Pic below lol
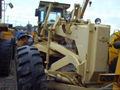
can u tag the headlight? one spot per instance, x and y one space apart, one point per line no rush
97 21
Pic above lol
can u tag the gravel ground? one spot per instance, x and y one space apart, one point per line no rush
9 83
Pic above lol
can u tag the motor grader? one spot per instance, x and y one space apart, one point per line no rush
68 52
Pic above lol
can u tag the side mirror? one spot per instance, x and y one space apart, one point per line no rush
36 12
117 44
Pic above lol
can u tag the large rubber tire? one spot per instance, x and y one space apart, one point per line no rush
112 65
30 70
5 57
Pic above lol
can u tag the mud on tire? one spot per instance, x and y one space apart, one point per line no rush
30 70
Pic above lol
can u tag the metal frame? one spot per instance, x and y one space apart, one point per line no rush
90 41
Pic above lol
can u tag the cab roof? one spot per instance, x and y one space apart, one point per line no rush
55 4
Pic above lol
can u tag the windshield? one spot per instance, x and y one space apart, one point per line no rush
54 14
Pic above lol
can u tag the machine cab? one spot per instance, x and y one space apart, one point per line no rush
45 11
48 12
55 12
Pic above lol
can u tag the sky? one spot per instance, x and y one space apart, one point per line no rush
24 12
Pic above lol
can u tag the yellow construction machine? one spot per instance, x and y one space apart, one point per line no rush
6 45
68 52
114 62
6 49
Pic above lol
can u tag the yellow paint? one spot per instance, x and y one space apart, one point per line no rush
112 51
116 86
114 37
8 35
112 54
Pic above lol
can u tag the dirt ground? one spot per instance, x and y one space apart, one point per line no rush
9 83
